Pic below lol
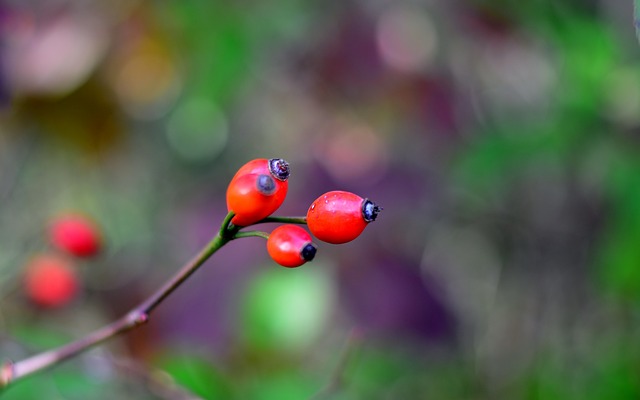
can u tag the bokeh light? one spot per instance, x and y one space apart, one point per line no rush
197 130
407 38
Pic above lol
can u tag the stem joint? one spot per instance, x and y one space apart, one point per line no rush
137 318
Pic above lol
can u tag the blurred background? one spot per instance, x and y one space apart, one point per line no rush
501 137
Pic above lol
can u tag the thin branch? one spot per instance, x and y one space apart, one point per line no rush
246 234
11 372
185 272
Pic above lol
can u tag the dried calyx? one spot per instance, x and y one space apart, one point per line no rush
308 252
279 168
370 210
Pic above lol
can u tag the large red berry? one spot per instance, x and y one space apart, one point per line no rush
339 217
290 246
76 234
277 168
252 197
50 281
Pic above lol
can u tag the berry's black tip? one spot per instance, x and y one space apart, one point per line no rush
370 210
308 252
266 185
279 168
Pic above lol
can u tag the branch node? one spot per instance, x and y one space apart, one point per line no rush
136 318
142 319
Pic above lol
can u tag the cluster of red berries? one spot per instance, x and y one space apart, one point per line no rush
50 279
259 188
256 191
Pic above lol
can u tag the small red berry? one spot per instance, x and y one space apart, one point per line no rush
252 197
339 217
290 246
49 281
76 234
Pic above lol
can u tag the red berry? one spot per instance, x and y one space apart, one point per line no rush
277 168
76 234
290 246
50 281
339 217
252 197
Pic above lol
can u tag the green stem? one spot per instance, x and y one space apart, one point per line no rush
11 372
189 268
227 229
261 234
285 220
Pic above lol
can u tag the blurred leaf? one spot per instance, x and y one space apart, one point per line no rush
197 375
387 373
490 159
73 383
606 372
35 387
615 375
283 385
216 44
376 372
618 256
39 338
497 157
544 381
589 53
224 60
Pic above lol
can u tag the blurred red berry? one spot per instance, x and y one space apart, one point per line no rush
290 246
252 197
339 217
50 281
76 234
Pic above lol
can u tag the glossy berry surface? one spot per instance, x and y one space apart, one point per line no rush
290 246
252 197
50 281
76 234
339 217
277 168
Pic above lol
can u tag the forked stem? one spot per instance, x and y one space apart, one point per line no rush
11 372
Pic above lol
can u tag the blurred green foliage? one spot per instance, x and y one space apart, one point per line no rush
196 375
284 312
